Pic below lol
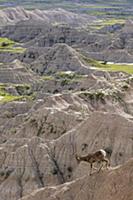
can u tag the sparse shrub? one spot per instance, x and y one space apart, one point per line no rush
70 88
125 86
4 44
47 78
68 75
64 82
65 75
94 95
120 154
7 45
55 91
82 89
33 122
84 146
6 173
13 130
70 169
23 89
54 171
2 173
69 175
8 114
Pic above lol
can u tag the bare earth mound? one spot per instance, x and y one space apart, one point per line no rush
14 15
60 57
56 102
116 183
16 72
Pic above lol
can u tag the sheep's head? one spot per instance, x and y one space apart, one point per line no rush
108 151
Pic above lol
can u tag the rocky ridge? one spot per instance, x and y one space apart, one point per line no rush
41 150
106 185
17 14
66 107
114 45
60 57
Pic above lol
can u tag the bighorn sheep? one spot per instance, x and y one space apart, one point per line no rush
98 156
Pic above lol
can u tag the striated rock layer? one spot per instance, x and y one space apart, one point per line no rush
117 183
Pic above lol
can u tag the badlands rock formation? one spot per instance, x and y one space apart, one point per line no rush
55 103
47 28
15 15
40 152
108 185
16 72
59 58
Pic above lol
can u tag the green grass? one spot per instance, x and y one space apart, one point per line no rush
96 13
112 21
96 6
6 97
92 62
13 50
9 98
108 22
7 41
7 45
116 67
23 90
68 75
63 75
100 94
47 78
94 95
109 67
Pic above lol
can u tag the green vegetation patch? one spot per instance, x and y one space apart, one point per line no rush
102 95
47 78
23 91
107 22
68 75
109 67
13 50
92 62
119 67
7 45
8 98
5 42
94 95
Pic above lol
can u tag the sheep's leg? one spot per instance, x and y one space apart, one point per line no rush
107 162
95 168
100 168
92 167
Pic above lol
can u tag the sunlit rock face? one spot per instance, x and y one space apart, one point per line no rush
59 99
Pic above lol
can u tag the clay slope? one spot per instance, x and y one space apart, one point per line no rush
17 14
116 183
60 57
31 163
117 48
16 72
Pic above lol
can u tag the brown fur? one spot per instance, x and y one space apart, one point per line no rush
97 156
